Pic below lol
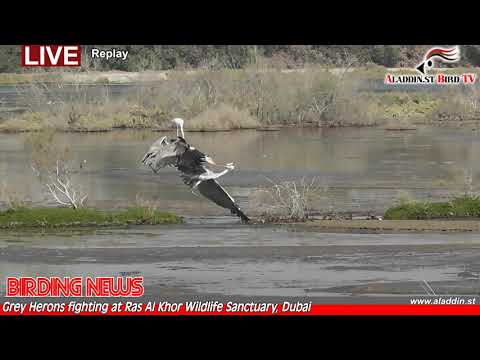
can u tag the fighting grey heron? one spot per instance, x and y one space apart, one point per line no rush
192 165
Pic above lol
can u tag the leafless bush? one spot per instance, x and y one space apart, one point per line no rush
287 200
61 187
50 162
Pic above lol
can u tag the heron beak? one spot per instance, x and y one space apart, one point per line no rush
209 160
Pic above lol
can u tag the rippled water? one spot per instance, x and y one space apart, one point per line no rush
362 169
232 261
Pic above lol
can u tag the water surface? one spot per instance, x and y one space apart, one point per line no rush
361 169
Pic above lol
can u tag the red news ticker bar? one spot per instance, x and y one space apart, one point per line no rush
317 309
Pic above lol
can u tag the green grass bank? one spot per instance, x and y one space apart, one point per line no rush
43 217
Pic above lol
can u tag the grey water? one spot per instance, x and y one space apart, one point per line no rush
359 169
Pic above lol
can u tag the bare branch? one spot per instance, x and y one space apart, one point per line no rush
288 200
60 185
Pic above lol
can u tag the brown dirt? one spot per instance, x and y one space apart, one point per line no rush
392 225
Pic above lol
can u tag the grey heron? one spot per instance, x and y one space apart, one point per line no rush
192 165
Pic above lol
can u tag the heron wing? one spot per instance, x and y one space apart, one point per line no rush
213 191
191 162
162 153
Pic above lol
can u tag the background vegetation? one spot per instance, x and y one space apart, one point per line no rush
180 57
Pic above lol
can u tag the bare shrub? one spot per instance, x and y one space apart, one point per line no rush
61 187
287 200
50 162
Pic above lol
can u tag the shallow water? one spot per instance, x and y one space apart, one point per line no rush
224 260
362 169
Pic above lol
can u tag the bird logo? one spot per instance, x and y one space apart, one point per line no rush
445 55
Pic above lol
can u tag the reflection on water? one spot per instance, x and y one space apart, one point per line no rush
365 169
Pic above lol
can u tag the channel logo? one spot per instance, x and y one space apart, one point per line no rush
445 55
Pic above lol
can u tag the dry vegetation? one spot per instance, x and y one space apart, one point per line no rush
150 206
237 99
459 106
222 117
51 165
210 100
287 200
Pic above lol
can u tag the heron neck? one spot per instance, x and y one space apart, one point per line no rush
181 131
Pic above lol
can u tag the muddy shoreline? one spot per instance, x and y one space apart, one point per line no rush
318 226
391 226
